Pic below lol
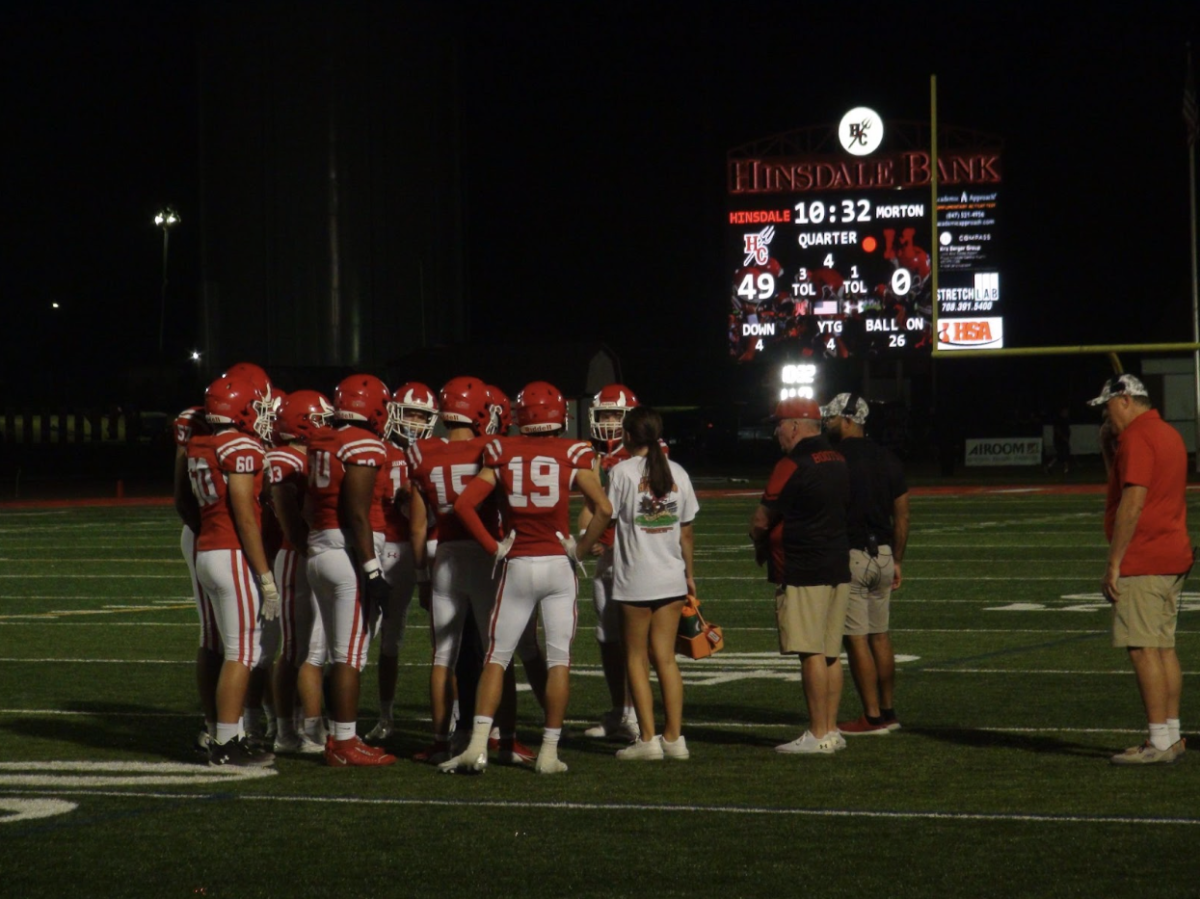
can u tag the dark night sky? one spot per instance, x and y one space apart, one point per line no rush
595 137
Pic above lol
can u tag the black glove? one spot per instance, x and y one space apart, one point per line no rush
375 598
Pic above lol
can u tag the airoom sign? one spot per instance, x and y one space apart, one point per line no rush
1004 451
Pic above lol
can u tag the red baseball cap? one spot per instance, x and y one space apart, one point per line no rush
795 407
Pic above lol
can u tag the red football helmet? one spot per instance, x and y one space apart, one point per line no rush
235 401
613 398
412 413
466 401
254 374
501 410
302 413
362 399
541 408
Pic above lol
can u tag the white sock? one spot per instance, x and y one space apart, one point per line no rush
1173 733
313 728
226 732
285 728
344 730
629 713
252 719
269 709
481 730
1160 737
551 735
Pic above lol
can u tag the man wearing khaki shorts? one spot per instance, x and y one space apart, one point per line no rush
877 528
1149 555
799 528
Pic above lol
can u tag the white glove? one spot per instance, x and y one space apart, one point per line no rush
502 549
270 595
569 544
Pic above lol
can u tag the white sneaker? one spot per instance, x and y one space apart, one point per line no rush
676 750
546 764
298 744
380 732
614 725
807 744
642 751
462 764
839 742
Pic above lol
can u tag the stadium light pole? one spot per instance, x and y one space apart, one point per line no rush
167 219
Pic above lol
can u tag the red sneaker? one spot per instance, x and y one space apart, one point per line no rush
512 751
355 753
433 754
862 727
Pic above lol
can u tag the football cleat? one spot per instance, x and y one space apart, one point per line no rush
380 732
642 751
549 764
297 744
237 753
434 754
464 764
511 751
354 753
614 725
861 727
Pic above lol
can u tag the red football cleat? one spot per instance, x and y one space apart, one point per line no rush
862 727
512 751
355 753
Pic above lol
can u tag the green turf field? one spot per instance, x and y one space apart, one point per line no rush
998 784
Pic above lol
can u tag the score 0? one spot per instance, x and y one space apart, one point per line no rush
798 381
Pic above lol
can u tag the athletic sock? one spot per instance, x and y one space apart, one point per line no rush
1173 733
345 730
285 729
252 720
226 732
874 720
888 715
480 732
313 728
1160 737
629 712
550 738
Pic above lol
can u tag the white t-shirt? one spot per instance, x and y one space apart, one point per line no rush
647 559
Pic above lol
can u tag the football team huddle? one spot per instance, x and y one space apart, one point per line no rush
309 524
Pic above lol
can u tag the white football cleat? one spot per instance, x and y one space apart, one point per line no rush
380 732
464 764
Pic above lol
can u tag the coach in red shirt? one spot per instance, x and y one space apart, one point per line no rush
801 525
1149 555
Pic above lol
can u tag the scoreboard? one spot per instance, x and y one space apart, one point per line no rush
830 255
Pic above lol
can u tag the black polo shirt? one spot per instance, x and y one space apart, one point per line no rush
876 480
810 490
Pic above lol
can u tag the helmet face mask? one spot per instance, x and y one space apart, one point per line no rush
412 412
541 409
605 425
303 413
234 402
501 410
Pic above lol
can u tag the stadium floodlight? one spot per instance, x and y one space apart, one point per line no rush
167 219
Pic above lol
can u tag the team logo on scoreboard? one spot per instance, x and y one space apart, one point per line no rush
970 333
860 131
758 246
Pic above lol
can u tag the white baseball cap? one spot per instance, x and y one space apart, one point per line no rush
1122 385
838 406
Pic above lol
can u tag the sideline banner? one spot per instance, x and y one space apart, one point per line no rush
1004 451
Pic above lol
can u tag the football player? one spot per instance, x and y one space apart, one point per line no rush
300 669
537 472
412 414
464 586
209 655
607 416
226 469
345 541
533 660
